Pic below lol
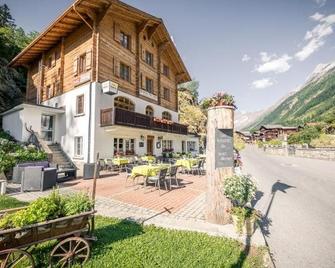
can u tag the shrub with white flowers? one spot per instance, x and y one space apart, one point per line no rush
239 189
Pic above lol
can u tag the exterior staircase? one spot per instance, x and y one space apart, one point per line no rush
62 161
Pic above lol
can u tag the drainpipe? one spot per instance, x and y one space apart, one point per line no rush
89 124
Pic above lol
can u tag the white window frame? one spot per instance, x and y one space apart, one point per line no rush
80 144
77 97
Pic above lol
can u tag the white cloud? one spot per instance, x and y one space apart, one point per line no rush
317 16
317 36
262 83
319 31
265 57
309 49
274 63
320 3
246 58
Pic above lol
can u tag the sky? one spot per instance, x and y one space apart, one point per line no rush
256 50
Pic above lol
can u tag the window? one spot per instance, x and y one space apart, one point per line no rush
149 58
166 115
80 105
149 85
78 146
49 92
125 40
124 146
149 111
82 63
166 94
166 70
191 146
167 145
124 103
49 62
125 72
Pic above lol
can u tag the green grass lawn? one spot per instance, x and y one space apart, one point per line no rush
128 244
10 202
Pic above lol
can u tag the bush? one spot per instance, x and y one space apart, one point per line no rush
274 142
77 203
324 141
304 136
12 153
47 208
239 189
239 143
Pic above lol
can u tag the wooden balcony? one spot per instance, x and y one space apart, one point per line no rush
132 119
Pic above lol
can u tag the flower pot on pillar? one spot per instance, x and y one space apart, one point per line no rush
219 162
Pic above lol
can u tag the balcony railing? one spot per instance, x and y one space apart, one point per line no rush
132 119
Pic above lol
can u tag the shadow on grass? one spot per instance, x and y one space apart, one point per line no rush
244 253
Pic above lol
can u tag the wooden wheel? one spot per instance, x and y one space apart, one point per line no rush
70 251
17 258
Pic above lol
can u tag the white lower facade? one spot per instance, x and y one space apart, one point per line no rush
81 136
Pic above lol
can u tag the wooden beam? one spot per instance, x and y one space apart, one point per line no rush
142 26
179 77
91 14
102 14
162 46
95 36
152 30
159 67
40 89
62 57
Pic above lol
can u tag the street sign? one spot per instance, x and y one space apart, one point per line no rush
224 148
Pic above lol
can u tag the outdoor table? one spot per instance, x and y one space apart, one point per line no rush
187 163
120 161
148 158
147 170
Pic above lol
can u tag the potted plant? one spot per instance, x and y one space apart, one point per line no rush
241 190
221 99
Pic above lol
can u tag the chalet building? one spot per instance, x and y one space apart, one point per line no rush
244 135
103 78
269 132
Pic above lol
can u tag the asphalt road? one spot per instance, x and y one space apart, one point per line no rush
301 216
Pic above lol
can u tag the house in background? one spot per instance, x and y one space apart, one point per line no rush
270 132
103 78
244 135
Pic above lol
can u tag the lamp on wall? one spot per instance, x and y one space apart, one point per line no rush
142 138
160 138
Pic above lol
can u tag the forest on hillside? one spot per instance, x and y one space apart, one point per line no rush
12 40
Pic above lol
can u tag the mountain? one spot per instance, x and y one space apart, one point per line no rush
312 102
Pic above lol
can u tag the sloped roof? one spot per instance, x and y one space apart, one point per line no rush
277 127
69 20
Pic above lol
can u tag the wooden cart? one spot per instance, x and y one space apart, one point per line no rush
73 234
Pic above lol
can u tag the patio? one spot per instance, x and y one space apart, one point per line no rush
114 187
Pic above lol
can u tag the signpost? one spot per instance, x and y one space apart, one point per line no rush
220 162
224 148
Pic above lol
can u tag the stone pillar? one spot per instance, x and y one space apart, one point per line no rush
219 162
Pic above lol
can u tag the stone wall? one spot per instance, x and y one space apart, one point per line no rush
316 153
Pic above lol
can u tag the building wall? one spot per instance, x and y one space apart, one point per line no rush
76 44
13 123
111 54
69 125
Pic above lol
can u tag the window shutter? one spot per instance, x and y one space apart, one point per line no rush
141 81
142 53
53 63
133 44
116 67
88 59
75 66
117 32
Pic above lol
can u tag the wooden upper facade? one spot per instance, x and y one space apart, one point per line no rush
100 40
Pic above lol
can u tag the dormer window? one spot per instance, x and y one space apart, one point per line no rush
125 40
149 58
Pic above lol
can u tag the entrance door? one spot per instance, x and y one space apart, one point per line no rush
150 145
47 128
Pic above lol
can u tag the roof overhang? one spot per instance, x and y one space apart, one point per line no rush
82 11
43 108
